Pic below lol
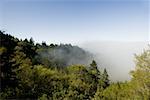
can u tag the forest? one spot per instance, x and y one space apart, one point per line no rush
35 71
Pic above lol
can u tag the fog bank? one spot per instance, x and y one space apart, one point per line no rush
116 57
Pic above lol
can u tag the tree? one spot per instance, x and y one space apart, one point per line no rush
93 65
44 44
37 71
31 41
21 68
94 70
79 83
141 75
116 91
105 79
137 89
7 45
94 78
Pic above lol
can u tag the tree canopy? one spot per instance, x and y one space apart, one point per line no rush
43 71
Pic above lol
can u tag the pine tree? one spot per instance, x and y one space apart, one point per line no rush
105 79
95 74
94 69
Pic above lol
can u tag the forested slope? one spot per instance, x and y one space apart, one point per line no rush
63 72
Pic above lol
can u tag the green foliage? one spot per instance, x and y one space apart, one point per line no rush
136 89
36 71
141 75
79 85
117 91
7 44
43 97
105 79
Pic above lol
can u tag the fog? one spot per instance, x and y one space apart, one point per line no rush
65 55
116 57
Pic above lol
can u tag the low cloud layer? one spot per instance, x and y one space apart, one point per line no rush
116 57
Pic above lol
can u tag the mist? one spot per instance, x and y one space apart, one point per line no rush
117 57
65 55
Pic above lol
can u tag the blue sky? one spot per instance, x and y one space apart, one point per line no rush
76 21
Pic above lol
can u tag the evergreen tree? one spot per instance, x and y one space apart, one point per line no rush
94 69
95 74
105 79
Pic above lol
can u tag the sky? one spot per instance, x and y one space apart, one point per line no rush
76 21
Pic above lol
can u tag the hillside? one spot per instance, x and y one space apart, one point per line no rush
62 72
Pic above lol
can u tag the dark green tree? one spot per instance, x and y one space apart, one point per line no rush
96 76
105 79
